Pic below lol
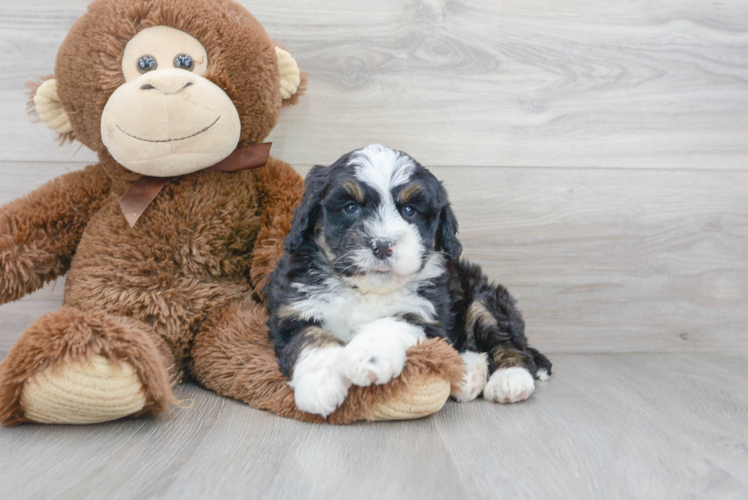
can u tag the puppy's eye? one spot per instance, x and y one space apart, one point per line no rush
351 209
147 63
408 211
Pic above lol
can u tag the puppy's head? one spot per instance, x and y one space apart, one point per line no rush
376 213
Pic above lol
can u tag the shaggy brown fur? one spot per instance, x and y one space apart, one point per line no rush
175 296
39 233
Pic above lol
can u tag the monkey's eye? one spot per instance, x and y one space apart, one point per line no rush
408 211
351 209
183 61
147 63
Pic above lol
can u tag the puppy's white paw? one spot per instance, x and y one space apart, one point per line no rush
318 385
376 354
321 393
543 375
373 360
474 380
509 385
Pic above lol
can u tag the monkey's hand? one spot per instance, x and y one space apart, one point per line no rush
40 231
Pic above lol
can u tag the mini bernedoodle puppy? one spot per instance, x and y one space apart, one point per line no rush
371 267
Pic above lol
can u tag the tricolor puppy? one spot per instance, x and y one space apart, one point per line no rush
371 267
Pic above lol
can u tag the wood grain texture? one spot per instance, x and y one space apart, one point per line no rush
535 83
621 426
668 426
600 259
613 260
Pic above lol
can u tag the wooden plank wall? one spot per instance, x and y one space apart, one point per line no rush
596 152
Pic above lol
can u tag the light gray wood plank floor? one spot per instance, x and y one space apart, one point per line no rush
659 426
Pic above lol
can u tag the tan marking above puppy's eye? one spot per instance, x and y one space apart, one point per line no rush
407 194
354 190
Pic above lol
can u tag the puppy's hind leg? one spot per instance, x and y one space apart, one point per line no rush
542 363
509 385
474 380
495 326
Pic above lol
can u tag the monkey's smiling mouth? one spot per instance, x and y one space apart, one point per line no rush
170 140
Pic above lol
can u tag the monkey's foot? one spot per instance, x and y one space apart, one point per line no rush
83 393
425 395
82 367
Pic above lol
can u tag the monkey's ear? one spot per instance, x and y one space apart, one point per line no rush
305 216
46 103
293 81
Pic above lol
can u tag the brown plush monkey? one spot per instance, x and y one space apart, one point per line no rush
170 238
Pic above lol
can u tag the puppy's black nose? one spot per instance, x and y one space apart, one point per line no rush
381 248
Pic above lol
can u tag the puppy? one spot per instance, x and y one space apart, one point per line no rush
371 267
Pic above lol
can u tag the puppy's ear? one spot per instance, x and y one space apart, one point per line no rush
305 215
446 235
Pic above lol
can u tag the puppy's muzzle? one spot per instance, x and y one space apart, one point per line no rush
381 249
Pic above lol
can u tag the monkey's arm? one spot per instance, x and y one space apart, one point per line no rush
280 189
40 231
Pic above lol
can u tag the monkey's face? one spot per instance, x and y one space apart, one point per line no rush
168 119
168 87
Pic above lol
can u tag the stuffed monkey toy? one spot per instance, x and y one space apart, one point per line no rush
168 240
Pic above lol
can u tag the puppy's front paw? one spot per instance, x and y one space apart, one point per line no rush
373 360
376 354
318 385
474 380
509 385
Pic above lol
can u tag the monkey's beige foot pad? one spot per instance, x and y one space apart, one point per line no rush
83 393
423 396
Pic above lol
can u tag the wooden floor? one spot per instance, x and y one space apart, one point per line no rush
624 426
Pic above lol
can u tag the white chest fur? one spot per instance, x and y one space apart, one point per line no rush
342 309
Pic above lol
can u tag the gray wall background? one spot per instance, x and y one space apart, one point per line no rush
596 153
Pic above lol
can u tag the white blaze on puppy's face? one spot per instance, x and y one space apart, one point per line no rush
384 169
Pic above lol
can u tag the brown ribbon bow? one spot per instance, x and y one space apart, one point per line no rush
143 191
